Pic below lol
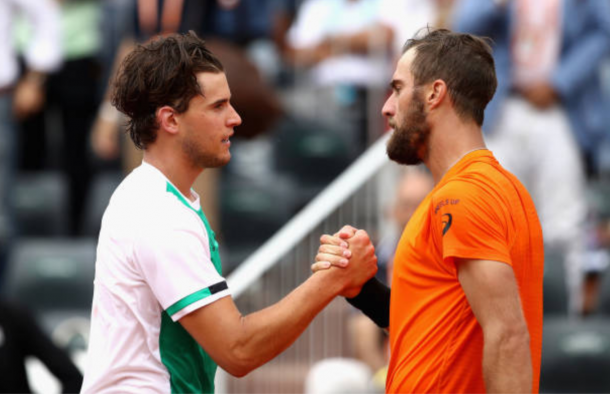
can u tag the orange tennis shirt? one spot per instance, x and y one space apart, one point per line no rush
479 211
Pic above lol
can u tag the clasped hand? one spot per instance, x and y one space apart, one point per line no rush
352 251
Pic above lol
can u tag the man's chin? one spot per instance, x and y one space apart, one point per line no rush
223 161
406 161
401 156
216 162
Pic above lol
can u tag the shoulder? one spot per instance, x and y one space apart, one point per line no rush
482 193
479 181
461 190
142 203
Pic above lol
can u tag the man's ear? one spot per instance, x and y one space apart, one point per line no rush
166 116
436 93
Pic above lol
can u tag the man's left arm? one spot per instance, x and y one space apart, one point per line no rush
493 295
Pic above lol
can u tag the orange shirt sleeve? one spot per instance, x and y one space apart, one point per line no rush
469 223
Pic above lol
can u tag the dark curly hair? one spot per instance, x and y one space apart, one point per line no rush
463 61
158 73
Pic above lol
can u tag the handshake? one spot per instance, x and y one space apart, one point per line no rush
349 256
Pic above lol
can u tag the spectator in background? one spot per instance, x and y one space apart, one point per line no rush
346 54
549 114
116 23
239 21
22 96
403 18
72 98
21 337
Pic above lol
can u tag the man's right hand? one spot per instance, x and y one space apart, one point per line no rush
333 250
362 263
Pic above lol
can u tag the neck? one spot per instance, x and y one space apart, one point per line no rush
174 168
450 140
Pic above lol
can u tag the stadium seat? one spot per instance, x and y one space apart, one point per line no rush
311 153
52 277
40 204
555 296
251 211
597 195
98 197
575 356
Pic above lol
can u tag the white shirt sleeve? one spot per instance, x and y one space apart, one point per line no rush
310 26
176 264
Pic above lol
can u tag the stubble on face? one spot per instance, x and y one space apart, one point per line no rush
200 158
409 143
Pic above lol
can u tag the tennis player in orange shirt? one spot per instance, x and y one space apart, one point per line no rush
465 310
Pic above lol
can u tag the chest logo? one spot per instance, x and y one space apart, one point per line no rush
446 202
447 222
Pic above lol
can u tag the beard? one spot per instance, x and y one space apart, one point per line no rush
409 143
200 158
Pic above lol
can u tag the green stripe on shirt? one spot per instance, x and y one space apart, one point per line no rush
188 300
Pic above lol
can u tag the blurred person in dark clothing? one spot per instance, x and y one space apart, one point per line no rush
56 137
21 95
20 337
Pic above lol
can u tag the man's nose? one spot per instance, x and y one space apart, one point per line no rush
388 109
235 119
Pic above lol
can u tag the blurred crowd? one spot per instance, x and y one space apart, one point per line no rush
308 78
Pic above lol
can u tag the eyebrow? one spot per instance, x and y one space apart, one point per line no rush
395 84
220 101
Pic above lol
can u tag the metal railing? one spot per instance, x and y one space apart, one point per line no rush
282 263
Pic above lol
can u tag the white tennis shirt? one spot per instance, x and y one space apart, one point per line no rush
157 261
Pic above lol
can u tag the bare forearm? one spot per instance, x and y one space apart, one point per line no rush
268 332
507 365
239 344
367 41
374 38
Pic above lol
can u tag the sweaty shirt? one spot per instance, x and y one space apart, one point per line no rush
479 211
